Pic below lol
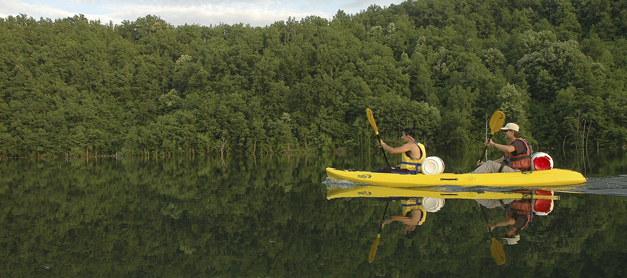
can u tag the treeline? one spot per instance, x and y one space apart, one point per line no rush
78 87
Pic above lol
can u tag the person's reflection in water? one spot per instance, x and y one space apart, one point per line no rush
414 215
518 214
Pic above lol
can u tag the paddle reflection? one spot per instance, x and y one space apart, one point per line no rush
519 213
519 207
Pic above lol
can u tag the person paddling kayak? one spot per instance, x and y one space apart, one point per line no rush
516 156
413 153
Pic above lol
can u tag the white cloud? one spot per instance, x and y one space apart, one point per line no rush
211 14
202 12
15 8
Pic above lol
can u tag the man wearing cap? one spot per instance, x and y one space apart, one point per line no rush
517 217
516 155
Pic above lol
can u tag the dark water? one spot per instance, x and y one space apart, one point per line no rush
269 217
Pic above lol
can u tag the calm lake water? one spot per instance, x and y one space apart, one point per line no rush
269 217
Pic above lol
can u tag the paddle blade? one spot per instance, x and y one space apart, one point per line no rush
497 252
371 120
497 121
373 249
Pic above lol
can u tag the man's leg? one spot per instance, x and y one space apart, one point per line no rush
493 203
492 167
383 169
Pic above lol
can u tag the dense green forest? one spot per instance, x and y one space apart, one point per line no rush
78 87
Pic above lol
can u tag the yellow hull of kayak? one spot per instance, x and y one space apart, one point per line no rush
535 179
386 192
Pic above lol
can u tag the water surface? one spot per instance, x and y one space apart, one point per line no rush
269 217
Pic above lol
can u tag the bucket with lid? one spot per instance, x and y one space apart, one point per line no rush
432 204
541 161
543 206
432 165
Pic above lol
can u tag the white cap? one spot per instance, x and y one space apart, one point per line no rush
511 126
512 240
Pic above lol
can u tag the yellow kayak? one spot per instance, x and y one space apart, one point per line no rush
385 192
535 179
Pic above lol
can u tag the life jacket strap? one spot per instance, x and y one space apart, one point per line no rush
418 203
501 168
518 158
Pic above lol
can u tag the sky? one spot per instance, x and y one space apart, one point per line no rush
257 13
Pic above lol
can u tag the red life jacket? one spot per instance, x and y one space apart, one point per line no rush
520 161
521 208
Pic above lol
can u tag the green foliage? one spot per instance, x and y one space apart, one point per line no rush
77 87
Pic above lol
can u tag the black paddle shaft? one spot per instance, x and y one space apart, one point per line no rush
485 149
383 217
486 218
382 149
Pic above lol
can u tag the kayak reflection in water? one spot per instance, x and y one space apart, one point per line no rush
413 153
518 213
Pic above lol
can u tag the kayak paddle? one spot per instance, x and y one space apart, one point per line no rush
496 248
376 131
373 249
496 123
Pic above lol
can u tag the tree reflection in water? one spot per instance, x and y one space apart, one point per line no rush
190 217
